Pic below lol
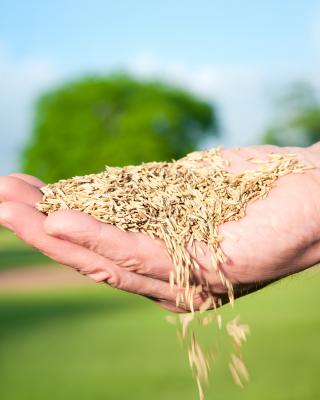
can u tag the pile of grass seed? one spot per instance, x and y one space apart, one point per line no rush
181 202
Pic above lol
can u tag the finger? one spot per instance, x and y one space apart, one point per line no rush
171 307
134 251
27 223
32 180
15 189
127 249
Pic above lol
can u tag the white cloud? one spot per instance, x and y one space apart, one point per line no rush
21 81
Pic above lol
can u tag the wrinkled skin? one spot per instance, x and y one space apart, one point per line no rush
279 236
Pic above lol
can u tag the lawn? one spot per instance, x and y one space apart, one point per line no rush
97 344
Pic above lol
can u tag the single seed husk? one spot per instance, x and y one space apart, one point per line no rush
183 203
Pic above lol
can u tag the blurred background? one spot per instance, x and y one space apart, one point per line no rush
85 84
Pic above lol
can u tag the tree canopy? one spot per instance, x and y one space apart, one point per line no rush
298 119
116 120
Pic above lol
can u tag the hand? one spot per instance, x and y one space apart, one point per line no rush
278 236
113 256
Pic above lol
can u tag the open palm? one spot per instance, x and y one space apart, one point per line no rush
280 235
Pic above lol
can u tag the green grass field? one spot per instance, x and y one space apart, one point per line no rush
96 343
14 253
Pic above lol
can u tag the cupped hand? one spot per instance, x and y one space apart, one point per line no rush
124 260
280 235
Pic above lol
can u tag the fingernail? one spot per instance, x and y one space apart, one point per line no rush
100 276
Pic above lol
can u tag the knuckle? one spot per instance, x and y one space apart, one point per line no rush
114 281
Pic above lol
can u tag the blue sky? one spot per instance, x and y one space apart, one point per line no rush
236 53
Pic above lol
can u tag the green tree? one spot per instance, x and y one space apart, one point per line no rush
298 120
116 120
